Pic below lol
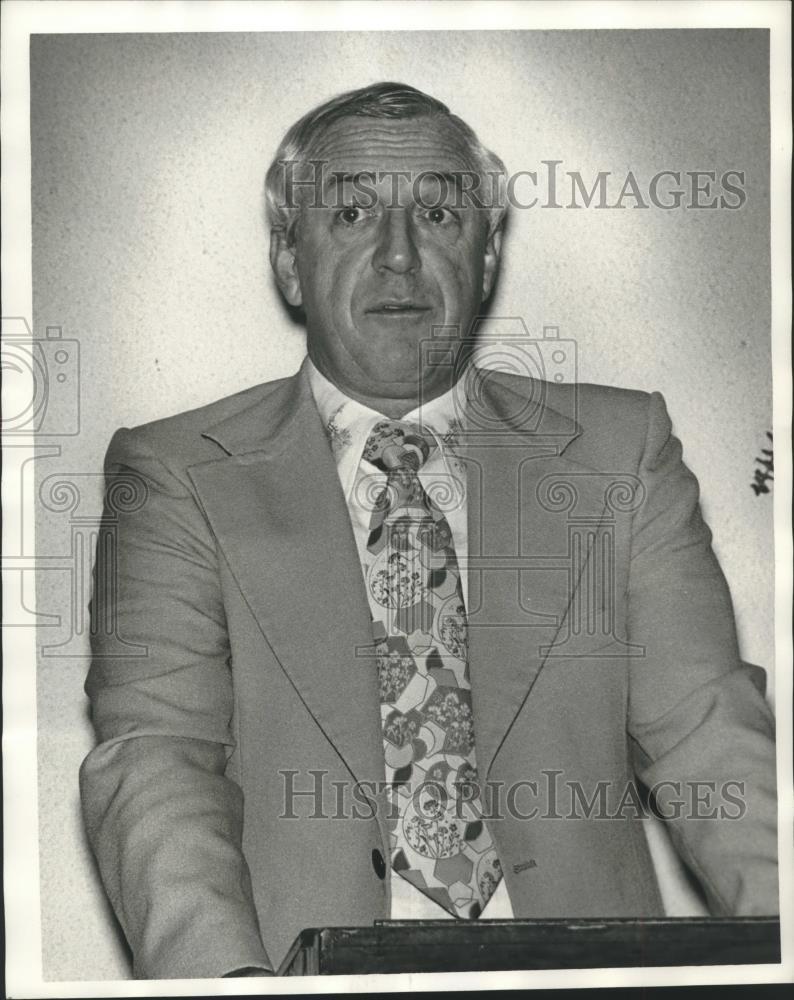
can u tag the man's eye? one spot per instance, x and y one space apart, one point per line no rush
350 214
438 216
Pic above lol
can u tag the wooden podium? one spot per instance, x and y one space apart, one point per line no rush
508 945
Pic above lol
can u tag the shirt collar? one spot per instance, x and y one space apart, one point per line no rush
348 422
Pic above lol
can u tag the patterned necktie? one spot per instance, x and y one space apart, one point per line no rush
438 838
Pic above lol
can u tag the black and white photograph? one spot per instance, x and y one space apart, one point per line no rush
397 543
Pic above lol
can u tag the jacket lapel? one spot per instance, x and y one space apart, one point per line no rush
278 512
522 568
277 509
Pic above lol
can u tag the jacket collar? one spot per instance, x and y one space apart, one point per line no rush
496 399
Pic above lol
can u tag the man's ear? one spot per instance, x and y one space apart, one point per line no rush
282 260
493 248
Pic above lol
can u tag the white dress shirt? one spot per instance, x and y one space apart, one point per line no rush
348 424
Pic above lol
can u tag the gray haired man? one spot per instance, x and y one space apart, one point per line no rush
367 692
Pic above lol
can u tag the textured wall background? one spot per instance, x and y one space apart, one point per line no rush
149 248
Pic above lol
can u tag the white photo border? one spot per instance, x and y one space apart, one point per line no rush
20 19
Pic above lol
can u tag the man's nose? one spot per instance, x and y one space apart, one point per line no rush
396 250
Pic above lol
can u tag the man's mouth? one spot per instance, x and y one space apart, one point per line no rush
398 307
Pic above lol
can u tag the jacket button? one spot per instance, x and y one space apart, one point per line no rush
378 863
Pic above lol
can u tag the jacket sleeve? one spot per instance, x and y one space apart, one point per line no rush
164 821
702 735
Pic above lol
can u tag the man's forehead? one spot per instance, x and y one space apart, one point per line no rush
358 144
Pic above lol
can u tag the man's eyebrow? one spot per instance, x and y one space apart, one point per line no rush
453 177
338 177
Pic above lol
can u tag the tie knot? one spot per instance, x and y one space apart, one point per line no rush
396 444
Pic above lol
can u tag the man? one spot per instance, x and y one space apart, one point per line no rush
412 629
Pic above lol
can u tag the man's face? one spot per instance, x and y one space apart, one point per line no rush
383 260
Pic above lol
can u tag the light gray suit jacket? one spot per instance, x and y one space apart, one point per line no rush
602 649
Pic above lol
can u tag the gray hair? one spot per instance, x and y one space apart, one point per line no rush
380 100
